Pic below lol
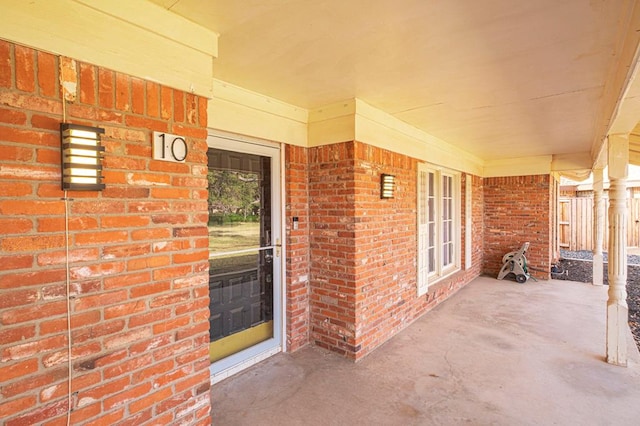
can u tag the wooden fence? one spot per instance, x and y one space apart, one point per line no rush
575 223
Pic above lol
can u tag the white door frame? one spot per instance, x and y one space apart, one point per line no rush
235 363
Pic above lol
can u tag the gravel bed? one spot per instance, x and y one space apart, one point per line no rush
578 266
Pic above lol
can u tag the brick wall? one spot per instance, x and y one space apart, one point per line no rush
363 249
518 209
297 262
137 252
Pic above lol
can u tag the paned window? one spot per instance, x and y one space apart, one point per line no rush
438 224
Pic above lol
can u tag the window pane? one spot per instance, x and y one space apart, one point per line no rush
432 259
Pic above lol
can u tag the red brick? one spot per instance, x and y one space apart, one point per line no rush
148 179
96 331
81 414
202 112
148 262
14 189
105 88
87 84
137 96
34 382
193 231
17 153
127 250
10 408
148 317
123 310
37 277
147 345
99 300
151 234
98 207
150 399
30 207
170 193
127 338
128 192
47 75
165 166
31 137
138 150
114 417
129 221
54 191
76 223
137 419
47 156
6 68
146 123
167 378
16 334
193 381
45 122
25 76
104 237
155 369
15 298
82 380
28 172
124 163
105 389
30 102
172 272
166 99
192 331
19 369
178 106
192 108
198 256
173 219
75 255
80 320
12 116
122 92
126 367
26 350
173 324
31 313
123 398
10 226
153 100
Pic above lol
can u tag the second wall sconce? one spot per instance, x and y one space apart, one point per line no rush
387 186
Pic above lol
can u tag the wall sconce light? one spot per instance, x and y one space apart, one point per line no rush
387 186
81 157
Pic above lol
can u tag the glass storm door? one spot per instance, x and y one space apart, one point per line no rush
244 251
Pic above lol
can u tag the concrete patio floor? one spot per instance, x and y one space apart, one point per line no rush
496 353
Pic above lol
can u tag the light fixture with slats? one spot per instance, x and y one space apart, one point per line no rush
81 157
387 186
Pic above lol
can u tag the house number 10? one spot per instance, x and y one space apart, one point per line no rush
169 147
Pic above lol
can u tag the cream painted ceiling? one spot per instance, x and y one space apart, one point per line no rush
498 78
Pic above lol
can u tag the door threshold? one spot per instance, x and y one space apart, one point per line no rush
221 375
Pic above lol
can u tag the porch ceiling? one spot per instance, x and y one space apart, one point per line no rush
500 78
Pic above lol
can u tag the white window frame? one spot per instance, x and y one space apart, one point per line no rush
431 272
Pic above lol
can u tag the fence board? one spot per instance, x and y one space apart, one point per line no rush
575 223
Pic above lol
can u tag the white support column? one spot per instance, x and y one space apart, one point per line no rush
598 226
617 309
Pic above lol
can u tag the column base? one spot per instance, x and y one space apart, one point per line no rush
617 334
598 269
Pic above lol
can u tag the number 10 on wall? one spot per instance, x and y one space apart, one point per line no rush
167 147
